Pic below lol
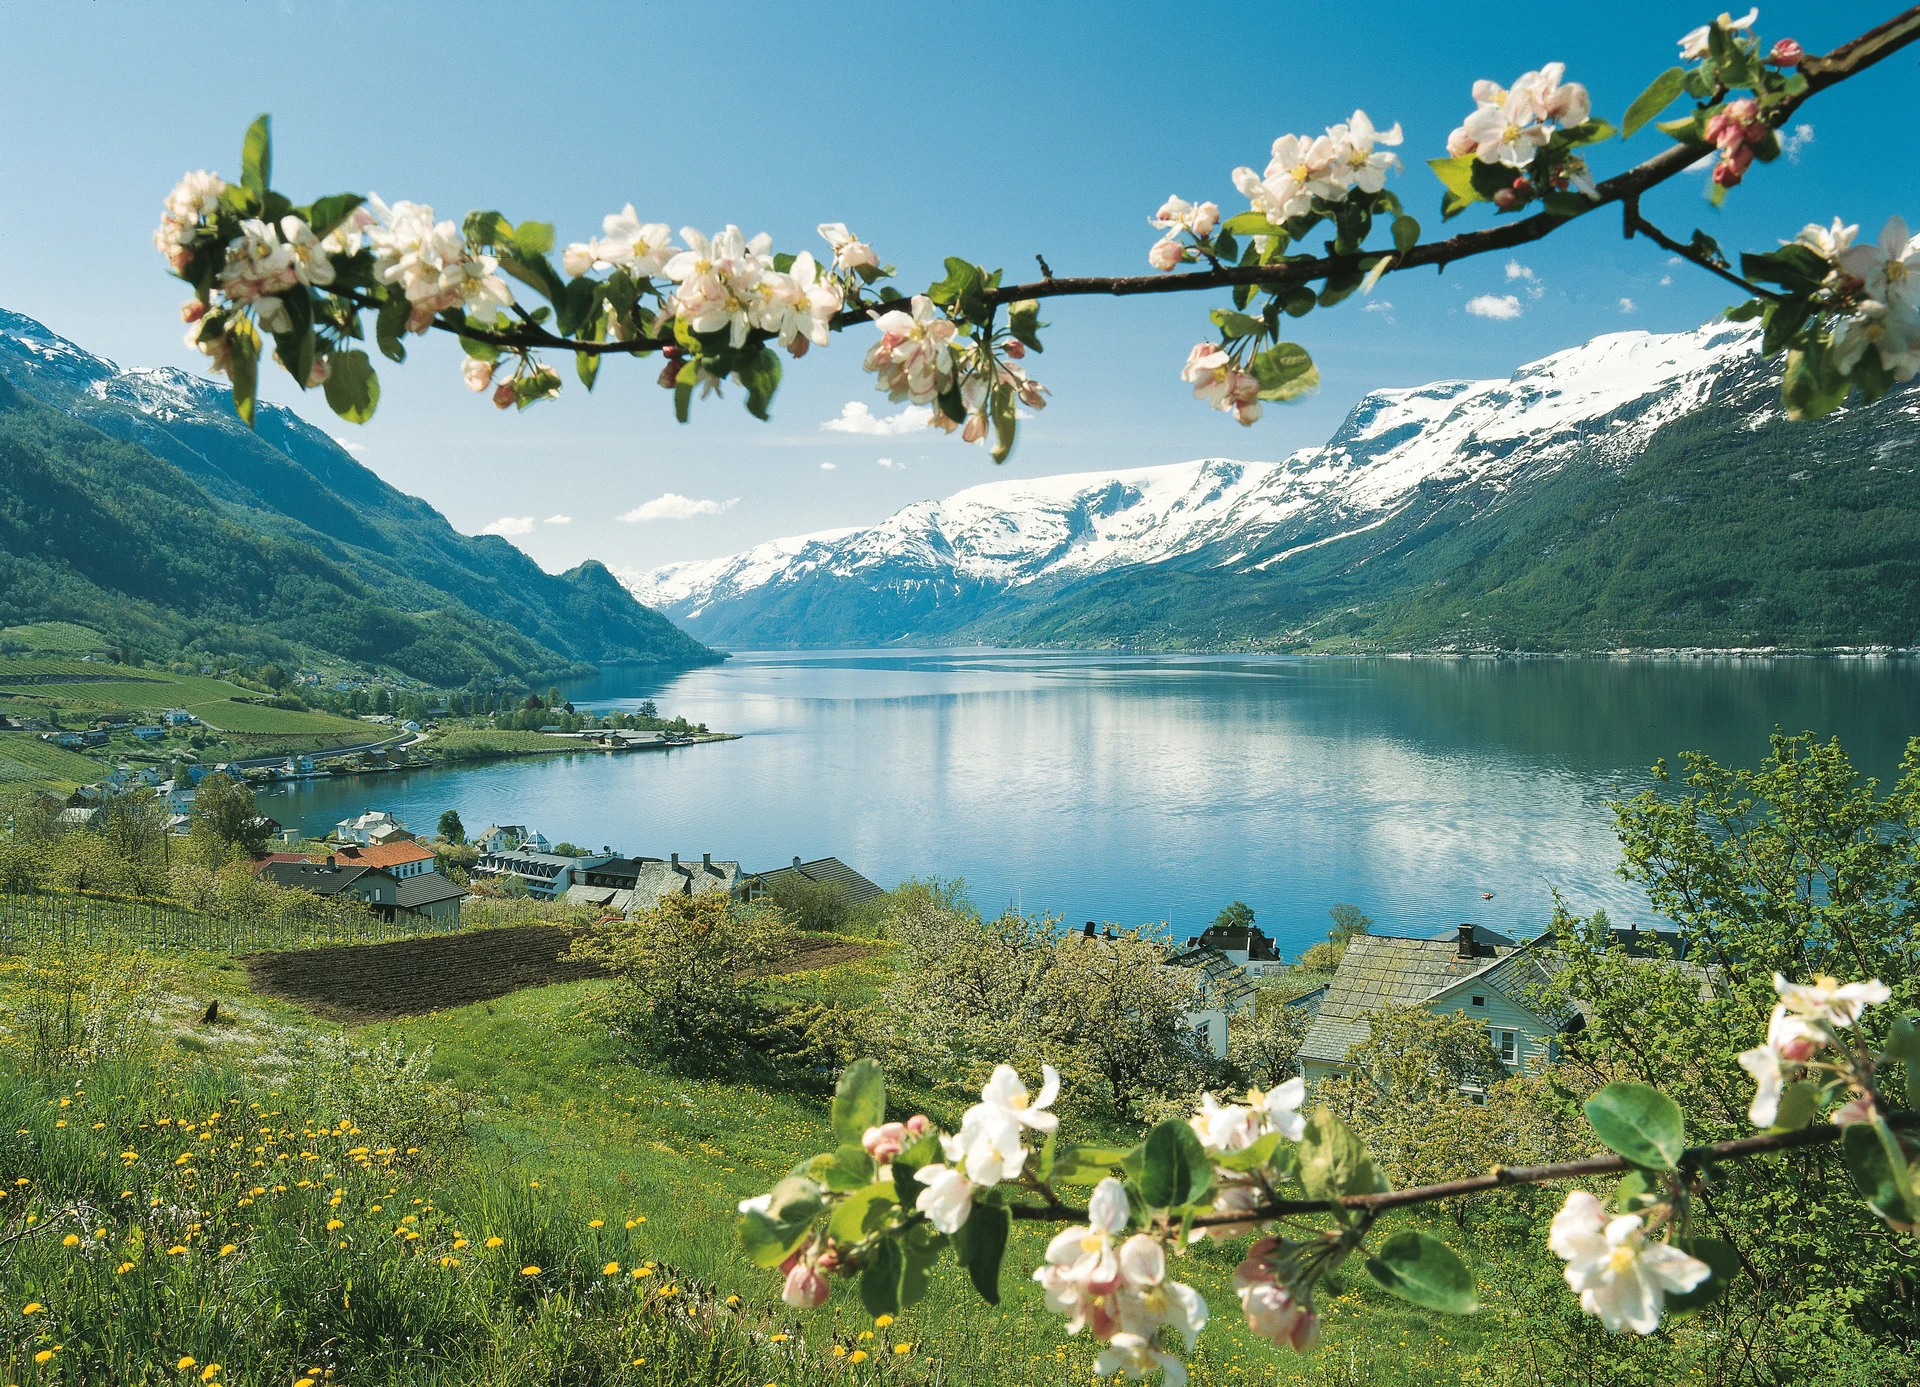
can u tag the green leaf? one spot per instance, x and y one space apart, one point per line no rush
880 1282
1456 176
1086 1165
256 157
1340 286
1640 1123
1661 93
1426 1271
1879 1173
1725 1264
487 229
770 1236
1794 267
1250 1157
1903 1045
1333 1161
1798 1104
328 212
1636 1191
1301 300
1252 224
1568 204
1234 325
862 1213
859 1101
683 391
760 373
1177 1170
296 345
920 1249
1687 129
1226 247
587 366
391 322
1285 372
352 386
244 343
1813 386
961 290
533 239
1592 132
846 1167
1406 233
1024 318
980 1245
1005 424
1746 312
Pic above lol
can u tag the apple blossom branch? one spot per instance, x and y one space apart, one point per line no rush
1501 1177
1827 70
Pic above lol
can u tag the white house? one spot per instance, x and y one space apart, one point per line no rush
374 826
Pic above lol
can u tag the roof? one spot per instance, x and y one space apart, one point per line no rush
317 877
428 888
1228 980
386 854
1380 971
830 870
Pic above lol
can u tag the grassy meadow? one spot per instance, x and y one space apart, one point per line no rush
213 1196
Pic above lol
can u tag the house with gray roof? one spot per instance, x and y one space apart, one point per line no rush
1229 991
431 895
823 871
621 886
546 875
1473 970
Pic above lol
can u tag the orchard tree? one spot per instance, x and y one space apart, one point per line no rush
1324 222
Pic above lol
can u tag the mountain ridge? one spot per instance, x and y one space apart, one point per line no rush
1345 545
285 494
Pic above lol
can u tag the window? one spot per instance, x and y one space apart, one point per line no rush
1506 1044
1479 1001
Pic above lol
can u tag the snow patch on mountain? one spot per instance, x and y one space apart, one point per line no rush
1603 400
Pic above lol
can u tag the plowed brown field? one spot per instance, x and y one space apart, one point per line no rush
378 982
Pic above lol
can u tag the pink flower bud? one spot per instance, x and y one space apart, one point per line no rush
1506 199
1798 1050
806 1288
1859 1110
829 1260
1786 53
192 311
975 430
478 373
503 397
1460 142
797 348
919 1124
318 375
886 1141
1014 348
670 375
1205 217
1306 1331
1166 254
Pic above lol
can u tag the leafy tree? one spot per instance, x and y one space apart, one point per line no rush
1239 915
1348 920
224 815
1263 1049
451 829
273 677
687 976
649 709
818 907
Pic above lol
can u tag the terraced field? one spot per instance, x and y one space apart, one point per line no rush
23 756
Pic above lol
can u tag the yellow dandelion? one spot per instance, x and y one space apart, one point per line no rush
304 1382
642 1271
882 1321
610 1269
45 1356
185 1363
733 1300
777 1339
334 1223
533 1184
596 1223
496 1242
210 1372
839 1350
859 1355
459 1243
639 1362
865 1335
123 1269
71 1240
903 1348
176 1251
228 1249
529 1271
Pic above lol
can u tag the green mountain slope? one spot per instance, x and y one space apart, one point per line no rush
134 503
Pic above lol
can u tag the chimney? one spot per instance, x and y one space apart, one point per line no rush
1088 931
796 864
706 860
329 859
1466 949
676 861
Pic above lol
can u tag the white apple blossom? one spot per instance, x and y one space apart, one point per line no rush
1166 254
1888 270
759 1204
306 255
1240 1195
258 263
1826 242
848 252
627 243
1221 384
1081 1276
1693 44
431 263
1764 1064
914 356
1280 1108
717 278
1176 214
1148 1301
1271 1308
350 235
1138 1358
1357 162
1894 336
946 1196
1566 104
1224 1128
1509 133
989 1144
1621 1277
477 373
190 210
1828 1001
1300 170
799 304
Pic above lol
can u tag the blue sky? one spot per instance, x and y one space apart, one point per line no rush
991 131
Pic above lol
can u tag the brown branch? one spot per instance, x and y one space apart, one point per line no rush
1501 1177
1822 71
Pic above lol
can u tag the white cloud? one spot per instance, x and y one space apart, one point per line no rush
1665 280
510 525
889 462
856 417
1378 306
1796 142
828 466
1501 306
355 448
558 520
1629 306
1515 270
671 505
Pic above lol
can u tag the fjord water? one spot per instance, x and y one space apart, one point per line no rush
1145 789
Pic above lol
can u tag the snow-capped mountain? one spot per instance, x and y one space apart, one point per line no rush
998 553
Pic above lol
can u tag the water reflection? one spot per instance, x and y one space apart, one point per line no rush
1155 788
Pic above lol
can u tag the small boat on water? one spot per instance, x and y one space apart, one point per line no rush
1486 895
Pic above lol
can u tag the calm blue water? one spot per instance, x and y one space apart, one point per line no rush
1146 789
